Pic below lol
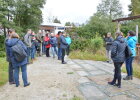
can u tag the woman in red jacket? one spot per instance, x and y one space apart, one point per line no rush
48 45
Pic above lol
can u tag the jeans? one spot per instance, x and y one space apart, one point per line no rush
11 72
129 66
63 54
28 53
47 52
43 48
59 53
54 51
33 52
24 74
68 50
117 73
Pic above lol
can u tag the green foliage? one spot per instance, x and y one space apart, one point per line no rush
134 7
96 43
2 46
56 21
2 54
3 71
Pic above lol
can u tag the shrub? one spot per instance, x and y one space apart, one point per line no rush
2 54
96 43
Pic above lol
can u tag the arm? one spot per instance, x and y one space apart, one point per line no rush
114 49
64 41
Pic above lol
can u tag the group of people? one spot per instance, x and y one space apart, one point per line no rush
21 52
120 50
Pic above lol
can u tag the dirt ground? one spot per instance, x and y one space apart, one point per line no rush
50 80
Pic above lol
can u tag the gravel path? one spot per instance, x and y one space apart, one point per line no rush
50 80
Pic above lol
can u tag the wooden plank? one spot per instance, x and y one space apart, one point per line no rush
127 18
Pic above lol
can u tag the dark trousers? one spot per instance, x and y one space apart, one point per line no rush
47 52
63 54
129 67
117 74
68 50
59 53
11 72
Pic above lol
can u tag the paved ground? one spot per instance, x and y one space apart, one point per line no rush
50 80
93 82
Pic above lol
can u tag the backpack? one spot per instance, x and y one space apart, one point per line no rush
128 52
19 52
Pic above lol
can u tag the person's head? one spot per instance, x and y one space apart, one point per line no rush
118 34
29 31
52 34
14 35
108 34
131 33
11 31
64 33
40 31
47 35
59 33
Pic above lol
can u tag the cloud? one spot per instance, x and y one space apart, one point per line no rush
74 10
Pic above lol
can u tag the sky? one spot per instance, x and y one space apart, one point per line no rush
77 11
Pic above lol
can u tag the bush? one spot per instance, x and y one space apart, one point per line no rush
96 43
2 54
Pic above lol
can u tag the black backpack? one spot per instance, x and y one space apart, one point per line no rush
19 52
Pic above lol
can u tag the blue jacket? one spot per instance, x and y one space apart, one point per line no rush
53 41
63 43
118 50
132 41
10 43
68 40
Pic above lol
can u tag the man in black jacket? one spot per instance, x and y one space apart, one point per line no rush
118 56
63 46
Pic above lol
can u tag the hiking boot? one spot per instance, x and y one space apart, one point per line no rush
112 83
127 78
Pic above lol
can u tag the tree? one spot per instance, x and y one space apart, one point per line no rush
68 24
111 8
56 21
134 7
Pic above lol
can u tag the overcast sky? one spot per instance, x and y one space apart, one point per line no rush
77 11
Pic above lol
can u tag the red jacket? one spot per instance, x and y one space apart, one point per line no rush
47 39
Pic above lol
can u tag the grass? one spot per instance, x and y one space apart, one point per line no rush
75 98
70 73
3 71
136 70
86 55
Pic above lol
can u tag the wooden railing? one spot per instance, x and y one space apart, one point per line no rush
138 49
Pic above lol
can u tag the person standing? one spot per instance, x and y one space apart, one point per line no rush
118 56
48 45
68 40
53 42
63 46
14 39
28 43
108 41
58 44
131 41
10 68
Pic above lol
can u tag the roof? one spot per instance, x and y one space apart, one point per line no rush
52 24
127 18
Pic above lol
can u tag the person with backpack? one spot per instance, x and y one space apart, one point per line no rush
28 43
118 55
53 42
10 68
47 44
131 41
63 46
68 40
18 55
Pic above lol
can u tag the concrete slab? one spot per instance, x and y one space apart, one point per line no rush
83 80
97 72
82 73
89 67
91 92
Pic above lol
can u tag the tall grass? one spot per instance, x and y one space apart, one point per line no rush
3 71
86 55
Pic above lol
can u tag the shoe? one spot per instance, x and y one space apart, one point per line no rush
17 85
131 77
127 78
27 84
12 83
64 63
112 83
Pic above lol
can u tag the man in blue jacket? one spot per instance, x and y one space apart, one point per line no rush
68 40
63 46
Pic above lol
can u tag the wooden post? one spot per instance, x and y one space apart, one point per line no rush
118 26
137 31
